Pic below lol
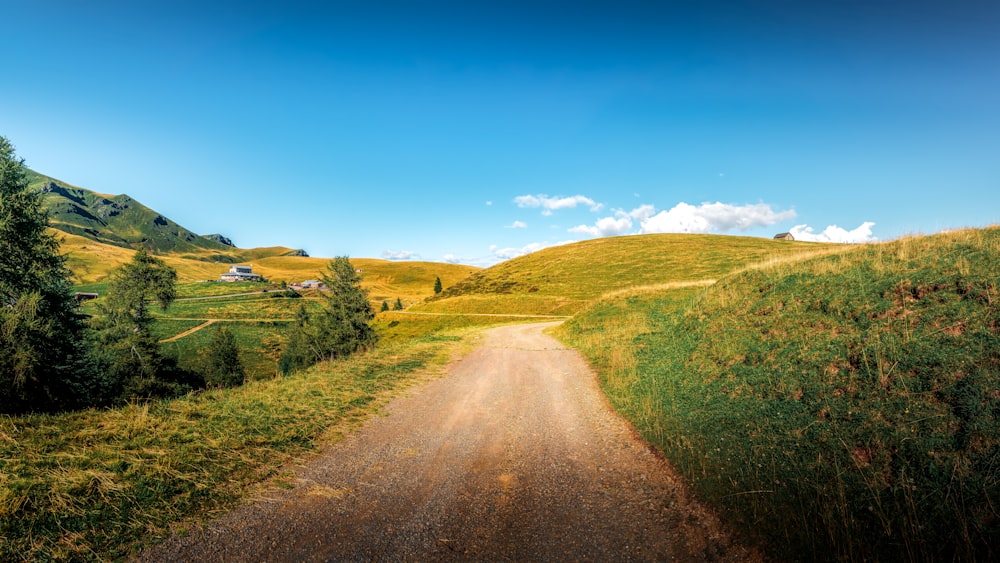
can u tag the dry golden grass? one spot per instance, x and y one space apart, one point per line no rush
564 279
91 262
96 484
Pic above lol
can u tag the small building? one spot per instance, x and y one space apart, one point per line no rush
82 296
240 273
308 284
784 236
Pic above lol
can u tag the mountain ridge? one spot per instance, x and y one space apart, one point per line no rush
123 221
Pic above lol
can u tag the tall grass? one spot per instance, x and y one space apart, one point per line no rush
843 407
96 485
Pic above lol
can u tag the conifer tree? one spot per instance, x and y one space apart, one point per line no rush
398 306
224 369
437 285
340 328
42 358
385 306
128 350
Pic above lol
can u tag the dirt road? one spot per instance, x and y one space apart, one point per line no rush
514 455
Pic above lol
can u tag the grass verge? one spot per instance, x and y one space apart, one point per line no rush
96 485
839 408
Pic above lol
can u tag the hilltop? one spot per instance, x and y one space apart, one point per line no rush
562 280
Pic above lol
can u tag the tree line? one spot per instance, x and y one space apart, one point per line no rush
53 357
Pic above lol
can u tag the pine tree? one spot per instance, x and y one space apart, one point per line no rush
297 354
42 358
398 306
437 285
224 369
340 328
385 306
129 352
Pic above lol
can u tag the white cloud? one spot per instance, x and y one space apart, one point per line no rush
451 258
606 227
685 218
489 203
712 217
508 253
642 212
833 233
517 225
399 255
550 204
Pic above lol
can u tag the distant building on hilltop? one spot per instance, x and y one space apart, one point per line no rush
784 236
308 284
240 273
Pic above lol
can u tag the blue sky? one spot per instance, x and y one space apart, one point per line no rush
477 131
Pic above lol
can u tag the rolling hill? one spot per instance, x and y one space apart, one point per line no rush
840 407
562 280
99 232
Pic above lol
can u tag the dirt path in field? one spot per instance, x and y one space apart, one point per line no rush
227 295
508 315
188 332
513 456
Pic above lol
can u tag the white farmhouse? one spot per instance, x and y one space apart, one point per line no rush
239 273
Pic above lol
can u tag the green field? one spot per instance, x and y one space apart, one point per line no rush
831 402
564 279
99 484
843 407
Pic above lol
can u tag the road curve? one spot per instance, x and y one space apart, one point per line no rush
512 456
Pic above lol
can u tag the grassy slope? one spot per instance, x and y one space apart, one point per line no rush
116 219
259 321
564 279
88 217
95 485
384 280
842 407
731 381
91 261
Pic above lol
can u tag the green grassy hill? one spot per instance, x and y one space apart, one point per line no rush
120 220
841 407
833 402
562 280
115 219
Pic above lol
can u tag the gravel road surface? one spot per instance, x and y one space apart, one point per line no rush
514 455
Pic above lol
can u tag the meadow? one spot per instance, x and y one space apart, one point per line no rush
258 313
831 402
564 280
99 484
837 408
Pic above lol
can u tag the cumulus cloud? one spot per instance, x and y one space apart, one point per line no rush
550 204
642 212
396 255
451 258
712 217
507 253
517 225
606 227
685 218
833 233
